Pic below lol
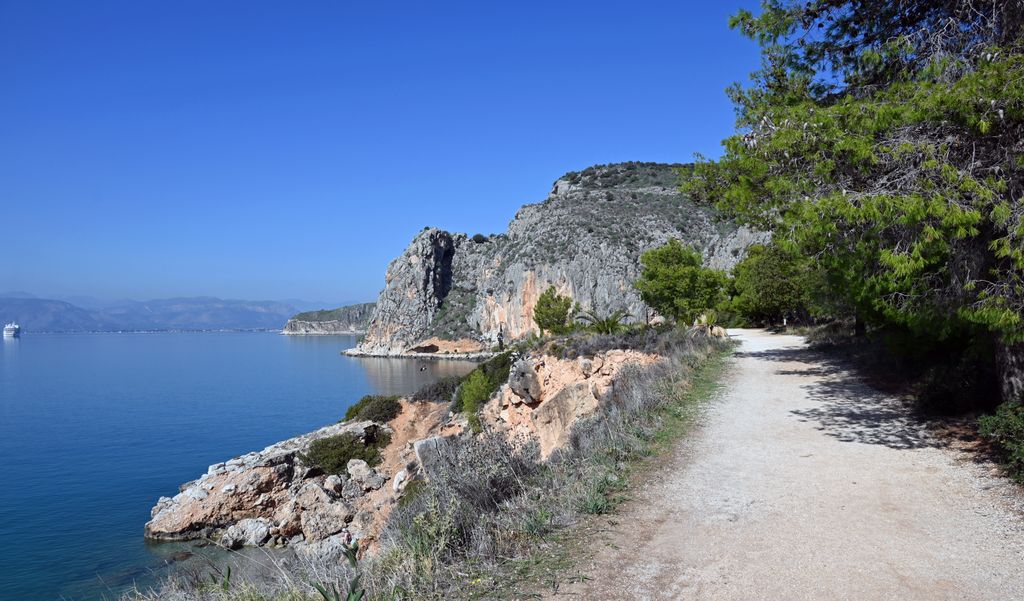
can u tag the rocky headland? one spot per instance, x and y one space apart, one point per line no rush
350 319
585 239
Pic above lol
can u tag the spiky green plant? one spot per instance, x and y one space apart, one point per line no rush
355 590
613 323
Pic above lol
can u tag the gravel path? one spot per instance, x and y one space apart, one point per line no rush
803 483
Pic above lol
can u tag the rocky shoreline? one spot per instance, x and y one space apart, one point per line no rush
480 356
269 498
272 498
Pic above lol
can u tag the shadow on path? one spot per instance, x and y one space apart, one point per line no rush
845 407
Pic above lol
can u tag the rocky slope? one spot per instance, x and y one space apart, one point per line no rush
271 498
586 239
351 319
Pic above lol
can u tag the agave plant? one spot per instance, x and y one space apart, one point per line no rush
607 324
355 591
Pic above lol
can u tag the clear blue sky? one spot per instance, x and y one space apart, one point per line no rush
270 150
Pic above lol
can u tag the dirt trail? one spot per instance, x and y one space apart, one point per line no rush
803 483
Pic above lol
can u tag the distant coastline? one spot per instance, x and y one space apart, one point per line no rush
161 331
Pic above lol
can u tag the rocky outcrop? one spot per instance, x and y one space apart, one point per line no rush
268 497
545 396
585 239
271 498
351 319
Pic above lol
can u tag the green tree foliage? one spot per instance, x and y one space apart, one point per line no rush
552 312
332 453
878 141
1006 430
675 284
769 284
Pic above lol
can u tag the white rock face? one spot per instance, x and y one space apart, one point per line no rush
252 532
364 475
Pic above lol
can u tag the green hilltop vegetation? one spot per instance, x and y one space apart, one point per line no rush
632 174
339 314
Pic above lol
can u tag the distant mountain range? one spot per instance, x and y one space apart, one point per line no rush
192 313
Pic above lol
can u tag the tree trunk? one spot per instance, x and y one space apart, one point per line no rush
1010 358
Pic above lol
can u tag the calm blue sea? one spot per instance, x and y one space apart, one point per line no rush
95 427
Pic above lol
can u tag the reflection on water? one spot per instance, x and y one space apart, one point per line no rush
389 375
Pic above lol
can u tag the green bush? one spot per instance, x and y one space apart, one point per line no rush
473 393
442 390
333 453
377 408
479 385
1006 430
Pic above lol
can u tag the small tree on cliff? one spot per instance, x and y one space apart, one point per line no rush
552 312
675 284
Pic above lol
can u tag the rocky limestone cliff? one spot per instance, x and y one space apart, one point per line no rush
351 319
586 239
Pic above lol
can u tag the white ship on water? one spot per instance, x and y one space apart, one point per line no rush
12 330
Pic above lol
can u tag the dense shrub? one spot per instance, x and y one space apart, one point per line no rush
959 383
442 390
479 385
473 393
953 375
377 408
333 453
479 238
496 369
451 322
1006 430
